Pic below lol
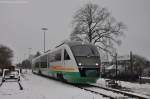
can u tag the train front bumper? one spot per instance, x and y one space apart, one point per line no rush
81 80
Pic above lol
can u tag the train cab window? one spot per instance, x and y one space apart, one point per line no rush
66 56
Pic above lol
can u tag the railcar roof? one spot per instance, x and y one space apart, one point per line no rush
74 43
69 43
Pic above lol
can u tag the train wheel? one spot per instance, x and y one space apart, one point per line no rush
39 72
60 77
32 71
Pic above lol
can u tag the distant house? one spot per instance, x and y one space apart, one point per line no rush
111 70
123 66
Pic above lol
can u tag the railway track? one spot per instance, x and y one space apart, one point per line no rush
106 92
84 87
102 92
112 93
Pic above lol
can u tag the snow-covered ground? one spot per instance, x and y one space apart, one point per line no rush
133 87
37 87
138 88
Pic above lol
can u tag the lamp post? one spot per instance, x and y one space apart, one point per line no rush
44 30
29 52
116 65
24 62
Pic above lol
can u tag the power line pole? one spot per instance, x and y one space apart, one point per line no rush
30 55
116 65
131 65
131 62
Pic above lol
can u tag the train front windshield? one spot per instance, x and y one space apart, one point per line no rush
86 55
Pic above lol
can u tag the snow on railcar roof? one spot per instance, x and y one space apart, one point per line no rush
74 43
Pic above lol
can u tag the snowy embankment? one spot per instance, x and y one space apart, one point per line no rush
133 87
138 88
37 87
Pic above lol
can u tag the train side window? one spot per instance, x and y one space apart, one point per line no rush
51 57
37 65
55 56
66 55
43 61
43 64
58 55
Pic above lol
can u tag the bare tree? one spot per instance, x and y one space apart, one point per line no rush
140 63
26 64
37 54
6 55
94 24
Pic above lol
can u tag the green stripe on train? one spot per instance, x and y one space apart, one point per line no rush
74 77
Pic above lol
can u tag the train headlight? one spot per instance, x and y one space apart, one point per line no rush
96 64
79 64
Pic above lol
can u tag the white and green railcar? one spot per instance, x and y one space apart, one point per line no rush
74 62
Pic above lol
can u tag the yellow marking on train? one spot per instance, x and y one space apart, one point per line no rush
63 68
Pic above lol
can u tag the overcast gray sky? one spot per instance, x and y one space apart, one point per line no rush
21 23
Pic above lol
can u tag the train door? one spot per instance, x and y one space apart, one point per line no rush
43 61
